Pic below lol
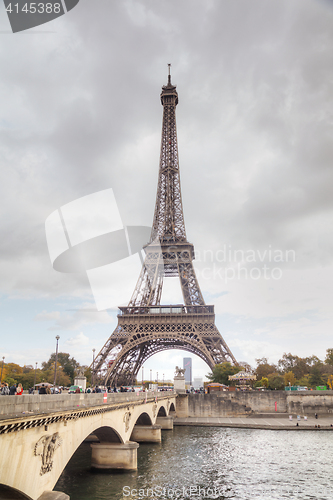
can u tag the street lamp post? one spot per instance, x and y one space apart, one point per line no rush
93 370
3 359
142 377
157 377
151 375
55 367
35 376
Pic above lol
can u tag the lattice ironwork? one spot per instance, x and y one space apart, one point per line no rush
145 327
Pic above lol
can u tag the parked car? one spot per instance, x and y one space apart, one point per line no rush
72 389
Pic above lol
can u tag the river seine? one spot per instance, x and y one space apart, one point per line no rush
213 463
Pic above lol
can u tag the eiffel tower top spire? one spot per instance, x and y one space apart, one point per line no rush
168 223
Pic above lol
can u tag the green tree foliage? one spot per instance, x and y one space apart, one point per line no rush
315 376
303 381
221 372
62 377
329 357
275 381
87 374
68 364
299 366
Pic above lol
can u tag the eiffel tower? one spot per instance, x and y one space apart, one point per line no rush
146 327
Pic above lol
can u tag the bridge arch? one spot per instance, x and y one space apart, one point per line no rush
10 493
108 434
189 343
144 419
162 412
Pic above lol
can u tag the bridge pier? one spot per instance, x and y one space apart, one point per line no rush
146 434
166 423
182 406
114 455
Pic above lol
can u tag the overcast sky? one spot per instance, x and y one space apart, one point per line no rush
80 113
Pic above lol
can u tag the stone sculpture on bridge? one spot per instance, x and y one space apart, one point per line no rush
180 372
45 447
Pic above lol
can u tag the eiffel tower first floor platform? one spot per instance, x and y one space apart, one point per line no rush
144 331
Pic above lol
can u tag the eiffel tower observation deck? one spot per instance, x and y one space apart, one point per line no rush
146 327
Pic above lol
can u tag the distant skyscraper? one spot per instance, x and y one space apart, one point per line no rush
187 364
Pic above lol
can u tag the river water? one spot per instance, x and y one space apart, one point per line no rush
213 463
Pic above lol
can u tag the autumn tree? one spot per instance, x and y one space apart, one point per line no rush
289 378
264 368
330 381
299 366
264 382
68 364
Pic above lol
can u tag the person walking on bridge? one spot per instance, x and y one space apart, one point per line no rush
12 390
4 389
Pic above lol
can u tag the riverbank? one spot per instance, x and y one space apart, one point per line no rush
260 422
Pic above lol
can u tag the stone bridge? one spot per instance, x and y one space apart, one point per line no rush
39 434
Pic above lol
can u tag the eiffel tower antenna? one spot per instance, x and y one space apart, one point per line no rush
146 327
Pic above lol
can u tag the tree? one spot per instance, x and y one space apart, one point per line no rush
68 364
264 382
11 373
299 366
62 377
264 368
329 357
246 367
87 374
304 381
315 376
289 377
221 372
330 381
275 381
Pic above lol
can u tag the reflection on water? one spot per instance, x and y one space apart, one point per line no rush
213 462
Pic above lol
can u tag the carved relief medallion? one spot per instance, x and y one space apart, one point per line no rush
126 419
45 448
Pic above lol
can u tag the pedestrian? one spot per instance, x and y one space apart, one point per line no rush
12 390
77 390
19 390
48 390
4 389
316 416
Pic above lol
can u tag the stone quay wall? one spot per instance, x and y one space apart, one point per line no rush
240 403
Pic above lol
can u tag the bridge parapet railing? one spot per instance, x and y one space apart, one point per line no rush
35 404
